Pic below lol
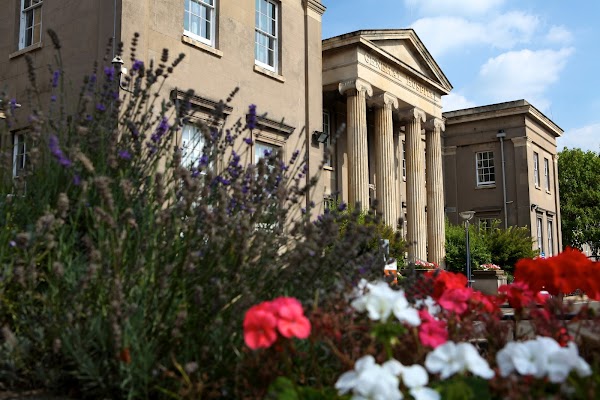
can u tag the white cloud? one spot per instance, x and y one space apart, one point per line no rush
559 34
455 101
523 74
445 34
453 7
586 138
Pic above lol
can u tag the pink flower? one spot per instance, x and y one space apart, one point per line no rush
260 325
456 299
291 321
432 332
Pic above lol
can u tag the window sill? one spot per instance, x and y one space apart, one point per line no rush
204 47
537 187
549 192
327 167
33 47
268 73
486 186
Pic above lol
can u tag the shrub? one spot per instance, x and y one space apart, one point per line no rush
507 246
126 273
456 253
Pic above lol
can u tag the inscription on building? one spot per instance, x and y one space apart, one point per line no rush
404 80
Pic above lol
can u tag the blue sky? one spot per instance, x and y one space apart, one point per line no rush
544 51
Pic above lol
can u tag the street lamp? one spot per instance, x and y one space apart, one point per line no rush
467 216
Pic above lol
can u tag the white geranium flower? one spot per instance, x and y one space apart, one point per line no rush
542 357
415 378
424 393
451 358
378 301
433 308
370 380
404 311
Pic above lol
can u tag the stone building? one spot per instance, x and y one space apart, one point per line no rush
500 161
270 49
386 88
376 92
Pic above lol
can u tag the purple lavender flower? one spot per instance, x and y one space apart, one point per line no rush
57 152
137 65
12 243
124 154
228 136
110 73
342 206
89 117
100 107
248 141
55 78
13 104
160 131
93 79
195 173
204 160
53 98
76 180
251 117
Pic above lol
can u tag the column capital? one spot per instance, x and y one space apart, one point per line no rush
411 114
360 85
434 124
385 100
521 141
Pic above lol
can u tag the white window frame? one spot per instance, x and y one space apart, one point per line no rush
547 174
260 145
486 170
18 165
327 144
24 28
486 224
192 146
536 169
259 32
540 234
211 18
550 234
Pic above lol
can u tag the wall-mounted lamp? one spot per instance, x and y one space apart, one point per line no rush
320 137
120 70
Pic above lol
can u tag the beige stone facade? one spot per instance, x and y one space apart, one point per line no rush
284 80
382 94
500 161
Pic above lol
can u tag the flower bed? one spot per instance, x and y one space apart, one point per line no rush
390 344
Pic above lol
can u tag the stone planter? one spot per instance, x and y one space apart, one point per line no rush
488 282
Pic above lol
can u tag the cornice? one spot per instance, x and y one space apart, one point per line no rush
316 6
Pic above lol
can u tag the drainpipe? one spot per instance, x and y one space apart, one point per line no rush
501 135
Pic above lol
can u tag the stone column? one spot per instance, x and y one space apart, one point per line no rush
436 236
384 149
415 185
356 92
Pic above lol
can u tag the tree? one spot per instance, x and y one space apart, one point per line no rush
579 180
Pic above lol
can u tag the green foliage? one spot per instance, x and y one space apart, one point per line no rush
507 246
456 253
503 247
579 181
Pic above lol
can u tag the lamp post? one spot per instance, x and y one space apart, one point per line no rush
467 216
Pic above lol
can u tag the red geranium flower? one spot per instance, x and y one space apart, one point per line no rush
432 332
456 299
446 280
291 321
260 325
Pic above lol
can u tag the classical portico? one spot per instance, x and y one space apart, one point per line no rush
386 89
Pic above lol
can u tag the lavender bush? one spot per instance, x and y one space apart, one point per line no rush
125 274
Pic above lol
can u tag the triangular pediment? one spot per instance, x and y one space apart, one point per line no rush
403 47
